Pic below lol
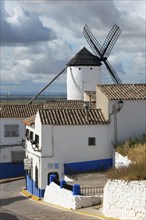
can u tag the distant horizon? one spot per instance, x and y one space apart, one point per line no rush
19 93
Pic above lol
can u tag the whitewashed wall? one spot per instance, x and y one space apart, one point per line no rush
66 144
34 154
62 197
80 80
102 102
125 200
131 119
5 152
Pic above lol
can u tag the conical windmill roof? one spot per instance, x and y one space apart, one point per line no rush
84 58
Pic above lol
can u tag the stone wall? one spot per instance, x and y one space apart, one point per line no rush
125 199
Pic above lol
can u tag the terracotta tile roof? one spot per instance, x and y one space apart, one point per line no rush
66 104
124 91
71 116
91 94
25 111
18 111
29 121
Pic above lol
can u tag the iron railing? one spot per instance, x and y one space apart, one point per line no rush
91 190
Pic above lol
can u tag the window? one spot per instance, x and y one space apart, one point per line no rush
27 133
17 156
91 141
11 130
36 177
37 140
31 135
79 68
90 68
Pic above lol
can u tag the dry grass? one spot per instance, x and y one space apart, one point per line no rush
136 152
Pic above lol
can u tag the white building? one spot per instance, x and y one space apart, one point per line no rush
75 137
130 121
66 141
12 131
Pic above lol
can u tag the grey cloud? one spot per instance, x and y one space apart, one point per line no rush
120 69
46 66
30 30
77 13
97 14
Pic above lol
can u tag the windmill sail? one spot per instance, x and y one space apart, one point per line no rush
110 40
104 51
30 102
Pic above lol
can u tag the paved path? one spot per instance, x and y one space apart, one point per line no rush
89 179
14 206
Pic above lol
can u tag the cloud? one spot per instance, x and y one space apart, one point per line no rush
45 35
22 27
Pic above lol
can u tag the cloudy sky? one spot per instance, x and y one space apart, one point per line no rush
39 37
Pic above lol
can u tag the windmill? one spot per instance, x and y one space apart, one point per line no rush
104 51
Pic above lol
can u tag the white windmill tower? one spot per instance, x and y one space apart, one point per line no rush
83 74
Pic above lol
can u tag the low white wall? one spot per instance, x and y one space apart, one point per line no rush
125 200
62 197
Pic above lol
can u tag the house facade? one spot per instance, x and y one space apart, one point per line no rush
66 141
12 131
130 121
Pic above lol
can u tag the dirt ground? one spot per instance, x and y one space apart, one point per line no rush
89 179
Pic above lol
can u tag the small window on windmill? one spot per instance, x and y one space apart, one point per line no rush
79 68
90 68
91 141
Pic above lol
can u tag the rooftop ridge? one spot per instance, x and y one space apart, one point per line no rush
124 91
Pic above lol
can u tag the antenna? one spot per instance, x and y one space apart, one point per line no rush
104 51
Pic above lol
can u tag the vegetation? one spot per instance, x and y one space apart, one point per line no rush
136 152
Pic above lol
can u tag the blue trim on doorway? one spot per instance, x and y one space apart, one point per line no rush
30 186
10 170
87 166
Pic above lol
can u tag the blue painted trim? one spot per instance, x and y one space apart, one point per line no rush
30 186
87 166
76 190
10 170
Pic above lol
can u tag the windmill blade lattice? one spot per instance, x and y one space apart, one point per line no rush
92 41
104 51
112 72
110 40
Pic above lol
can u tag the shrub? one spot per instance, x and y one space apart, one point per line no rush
126 146
136 152
135 171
